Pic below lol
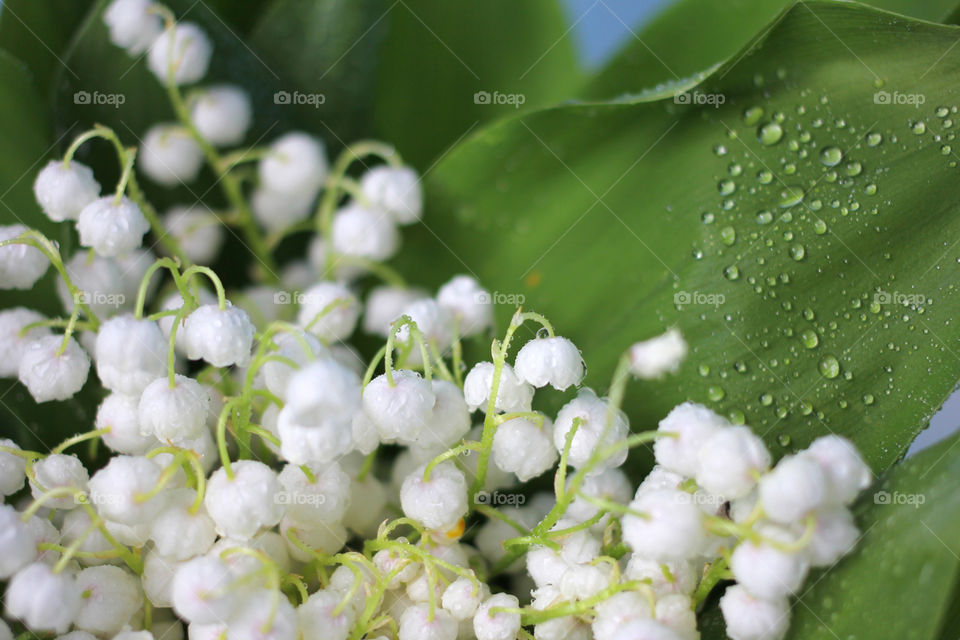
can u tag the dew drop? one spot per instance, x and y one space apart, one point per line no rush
770 134
790 196
819 227
764 176
726 187
706 217
918 127
831 156
764 217
798 252
731 272
874 139
829 367
752 115
853 168
715 393
784 440
810 339
728 235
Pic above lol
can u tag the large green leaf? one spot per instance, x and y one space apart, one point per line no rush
899 581
690 35
615 220
38 31
407 71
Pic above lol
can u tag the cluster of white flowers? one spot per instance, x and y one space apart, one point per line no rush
265 483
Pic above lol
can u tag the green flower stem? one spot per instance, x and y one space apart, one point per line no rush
493 513
172 344
417 338
266 435
55 323
71 324
374 363
213 277
718 571
69 442
459 450
222 435
37 240
190 462
230 184
531 616
129 157
174 268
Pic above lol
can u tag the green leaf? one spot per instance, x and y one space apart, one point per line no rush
38 31
594 215
662 50
407 71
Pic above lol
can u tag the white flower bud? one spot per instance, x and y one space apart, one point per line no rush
395 190
401 411
109 598
554 361
222 337
278 210
437 503
612 485
12 469
197 230
318 620
469 303
177 532
268 615
200 591
766 571
130 354
416 624
115 490
364 233
497 625
175 413
242 506
462 597
646 629
169 156
20 265
795 488
12 343
50 375
513 395
133 25
433 321
600 426
119 413
338 322
315 424
693 425
523 448
296 163
63 192
182 54
729 462
673 529
657 356
847 474
222 114
100 283
448 422
18 545
43 600
79 529
58 470
385 304
368 501
671 576
750 618
617 610
834 536
325 537
299 347
325 499
112 228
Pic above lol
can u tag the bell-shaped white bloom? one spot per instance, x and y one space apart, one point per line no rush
248 502
181 53
794 489
520 446
130 354
222 114
198 231
58 470
117 490
298 347
554 361
402 410
12 469
222 337
765 570
395 190
112 228
673 528
489 625
176 413
600 425
20 265
169 156
513 394
13 338
847 473
690 426
63 191
729 462
200 592
296 163
751 618
48 373
41 599
470 304
110 597
364 233
658 356
18 545
100 282
329 310
437 503
385 304
277 210
322 498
